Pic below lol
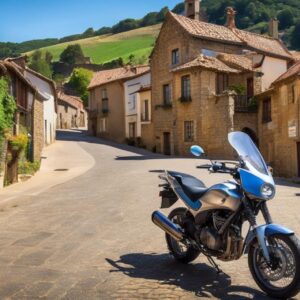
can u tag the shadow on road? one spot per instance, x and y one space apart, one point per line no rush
141 154
201 279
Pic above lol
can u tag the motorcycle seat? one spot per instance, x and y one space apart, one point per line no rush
192 187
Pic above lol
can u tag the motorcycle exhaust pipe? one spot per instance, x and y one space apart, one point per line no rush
166 225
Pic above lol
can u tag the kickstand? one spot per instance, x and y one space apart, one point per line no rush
213 263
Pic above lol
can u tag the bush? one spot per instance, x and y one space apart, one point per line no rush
72 55
28 167
7 107
18 143
41 63
80 80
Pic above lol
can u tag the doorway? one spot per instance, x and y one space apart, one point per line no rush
167 143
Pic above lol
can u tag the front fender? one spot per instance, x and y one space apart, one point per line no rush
261 232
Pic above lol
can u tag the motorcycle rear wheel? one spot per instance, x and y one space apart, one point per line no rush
181 252
285 252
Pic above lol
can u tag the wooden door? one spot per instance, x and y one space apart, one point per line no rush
167 143
250 88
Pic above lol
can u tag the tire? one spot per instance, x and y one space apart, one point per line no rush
191 253
293 287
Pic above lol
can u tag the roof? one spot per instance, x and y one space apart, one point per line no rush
206 30
210 63
145 88
224 34
296 55
240 62
108 76
292 71
71 100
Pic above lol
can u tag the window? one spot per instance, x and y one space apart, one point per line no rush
132 130
105 105
104 94
267 111
167 94
186 88
222 83
145 112
291 94
189 131
175 57
103 127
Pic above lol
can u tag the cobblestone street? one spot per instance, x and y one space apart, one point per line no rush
92 237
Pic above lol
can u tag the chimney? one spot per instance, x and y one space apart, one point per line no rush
230 23
192 9
273 28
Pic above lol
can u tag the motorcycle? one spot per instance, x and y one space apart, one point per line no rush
211 223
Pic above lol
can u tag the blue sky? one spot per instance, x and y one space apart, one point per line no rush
35 19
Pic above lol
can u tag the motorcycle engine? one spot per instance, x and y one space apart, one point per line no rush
210 238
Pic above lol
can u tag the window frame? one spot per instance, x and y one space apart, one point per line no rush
175 57
267 110
186 90
167 94
189 131
222 83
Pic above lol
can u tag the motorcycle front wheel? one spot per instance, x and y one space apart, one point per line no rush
281 277
181 252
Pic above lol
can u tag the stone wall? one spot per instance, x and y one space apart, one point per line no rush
115 117
38 129
280 150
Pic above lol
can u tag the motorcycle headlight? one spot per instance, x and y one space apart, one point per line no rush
267 191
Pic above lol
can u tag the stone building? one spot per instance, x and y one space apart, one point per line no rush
138 123
71 112
30 108
107 102
279 121
204 79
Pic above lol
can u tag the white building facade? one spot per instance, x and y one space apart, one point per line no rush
137 108
46 87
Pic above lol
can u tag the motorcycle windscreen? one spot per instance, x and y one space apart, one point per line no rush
250 155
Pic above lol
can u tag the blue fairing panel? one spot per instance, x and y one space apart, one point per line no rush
251 183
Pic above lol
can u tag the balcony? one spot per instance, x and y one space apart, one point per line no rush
105 110
242 103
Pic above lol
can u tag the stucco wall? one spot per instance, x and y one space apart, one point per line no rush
49 106
272 68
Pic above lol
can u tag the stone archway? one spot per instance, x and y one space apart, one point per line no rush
252 135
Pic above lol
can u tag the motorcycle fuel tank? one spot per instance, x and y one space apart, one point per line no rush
222 196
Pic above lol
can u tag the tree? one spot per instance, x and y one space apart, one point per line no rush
162 14
7 107
72 55
88 33
80 79
285 18
295 36
41 63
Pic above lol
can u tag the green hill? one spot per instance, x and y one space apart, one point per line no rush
105 48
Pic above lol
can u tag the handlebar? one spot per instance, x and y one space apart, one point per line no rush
219 167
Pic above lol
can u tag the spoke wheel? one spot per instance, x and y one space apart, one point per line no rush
281 277
182 252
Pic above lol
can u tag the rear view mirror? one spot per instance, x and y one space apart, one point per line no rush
197 151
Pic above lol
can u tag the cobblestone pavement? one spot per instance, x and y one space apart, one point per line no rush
92 237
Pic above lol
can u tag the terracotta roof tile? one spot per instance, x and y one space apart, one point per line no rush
71 100
262 43
210 63
251 40
240 62
107 76
293 71
206 30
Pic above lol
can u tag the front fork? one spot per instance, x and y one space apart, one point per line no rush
263 231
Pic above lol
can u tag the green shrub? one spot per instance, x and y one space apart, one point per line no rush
19 142
28 168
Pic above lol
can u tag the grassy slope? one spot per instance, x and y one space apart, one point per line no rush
105 48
